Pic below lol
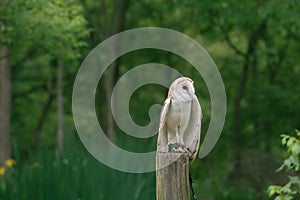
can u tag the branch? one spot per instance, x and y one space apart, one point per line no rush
274 65
30 91
92 22
230 43
236 50
37 132
103 9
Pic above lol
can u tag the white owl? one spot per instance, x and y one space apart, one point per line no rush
180 119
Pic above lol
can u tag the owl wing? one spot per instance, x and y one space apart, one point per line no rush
192 133
162 141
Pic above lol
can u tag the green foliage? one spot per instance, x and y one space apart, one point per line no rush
58 26
76 175
39 32
291 189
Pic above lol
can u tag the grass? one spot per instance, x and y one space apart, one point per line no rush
76 175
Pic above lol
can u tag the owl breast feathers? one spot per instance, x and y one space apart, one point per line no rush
180 120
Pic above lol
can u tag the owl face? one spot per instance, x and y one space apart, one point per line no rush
184 89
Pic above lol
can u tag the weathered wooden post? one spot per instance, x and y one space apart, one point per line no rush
172 176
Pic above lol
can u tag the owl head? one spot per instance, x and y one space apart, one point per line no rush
182 88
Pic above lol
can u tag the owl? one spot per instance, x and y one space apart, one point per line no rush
180 120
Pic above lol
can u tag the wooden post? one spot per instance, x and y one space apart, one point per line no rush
172 180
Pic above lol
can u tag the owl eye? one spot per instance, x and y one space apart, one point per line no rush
185 88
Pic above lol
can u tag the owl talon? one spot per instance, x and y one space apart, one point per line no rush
180 150
187 150
177 148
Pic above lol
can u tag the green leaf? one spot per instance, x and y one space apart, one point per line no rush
284 138
290 142
296 149
286 189
273 189
278 198
294 180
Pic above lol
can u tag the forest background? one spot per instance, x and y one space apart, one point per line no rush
255 45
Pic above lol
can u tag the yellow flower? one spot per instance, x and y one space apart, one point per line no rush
2 171
9 162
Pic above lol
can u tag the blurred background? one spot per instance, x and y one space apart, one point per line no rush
255 45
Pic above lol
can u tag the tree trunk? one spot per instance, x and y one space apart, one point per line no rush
237 117
60 112
108 91
5 103
37 132
250 60
118 26
104 29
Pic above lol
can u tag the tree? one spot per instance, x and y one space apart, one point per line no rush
5 83
64 42
54 28
5 102
260 49
102 29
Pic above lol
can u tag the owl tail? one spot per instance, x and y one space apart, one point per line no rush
192 188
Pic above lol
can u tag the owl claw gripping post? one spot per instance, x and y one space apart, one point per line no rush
180 120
